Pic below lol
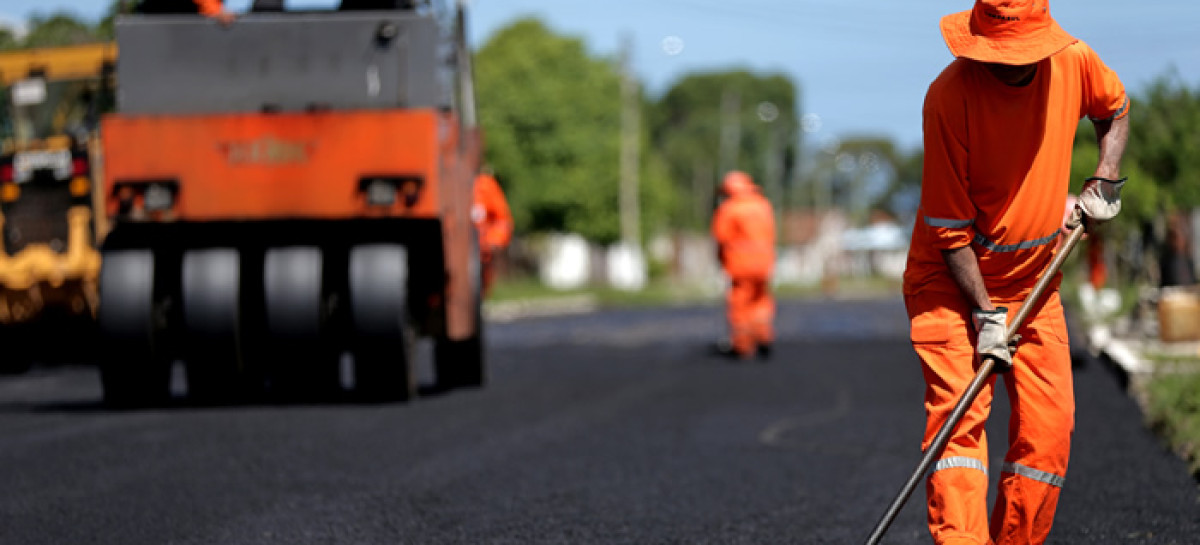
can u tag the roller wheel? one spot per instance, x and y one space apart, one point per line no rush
131 373
301 361
383 338
460 362
17 357
212 319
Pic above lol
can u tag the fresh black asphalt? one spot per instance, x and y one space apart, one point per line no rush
610 427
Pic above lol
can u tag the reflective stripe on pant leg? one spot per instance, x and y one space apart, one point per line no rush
1035 474
960 461
1043 418
957 491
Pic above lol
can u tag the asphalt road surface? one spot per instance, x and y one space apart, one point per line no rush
611 427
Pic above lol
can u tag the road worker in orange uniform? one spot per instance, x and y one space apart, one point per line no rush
744 228
999 122
493 220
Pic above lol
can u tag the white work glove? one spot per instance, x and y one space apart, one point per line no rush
992 326
1100 198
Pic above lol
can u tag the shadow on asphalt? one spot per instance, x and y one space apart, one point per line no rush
182 402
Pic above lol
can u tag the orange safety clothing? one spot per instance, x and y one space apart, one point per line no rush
996 171
744 229
997 166
1005 31
1039 433
209 7
493 221
750 311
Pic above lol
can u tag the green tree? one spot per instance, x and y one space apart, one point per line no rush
105 29
1162 162
1163 142
1162 159
863 174
8 39
551 118
58 29
688 122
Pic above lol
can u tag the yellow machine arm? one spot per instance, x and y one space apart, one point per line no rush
56 63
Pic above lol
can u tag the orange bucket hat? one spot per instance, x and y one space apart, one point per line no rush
1012 32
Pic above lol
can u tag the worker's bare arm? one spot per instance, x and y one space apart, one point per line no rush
1100 198
1112 135
964 267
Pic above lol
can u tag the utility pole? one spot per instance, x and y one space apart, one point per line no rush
702 190
774 170
796 198
731 132
630 105
466 73
731 139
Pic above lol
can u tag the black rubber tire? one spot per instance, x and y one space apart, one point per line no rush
131 373
211 314
383 339
298 345
17 357
292 289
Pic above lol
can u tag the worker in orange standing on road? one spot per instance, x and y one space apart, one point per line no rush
493 221
999 122
744 228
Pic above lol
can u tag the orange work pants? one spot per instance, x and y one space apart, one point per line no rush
751 313
1041 393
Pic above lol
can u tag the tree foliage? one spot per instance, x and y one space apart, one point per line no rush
1162 160
60 29
1163 142
56 30
687 125
551 116
105 29
8 39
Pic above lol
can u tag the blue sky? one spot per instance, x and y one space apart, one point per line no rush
862 65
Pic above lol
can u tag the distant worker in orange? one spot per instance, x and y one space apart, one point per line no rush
744 229
999 123
214 9
493 221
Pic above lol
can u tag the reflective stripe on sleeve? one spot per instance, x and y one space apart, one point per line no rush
1031 473
959 461
1023 245
1116 114
948 223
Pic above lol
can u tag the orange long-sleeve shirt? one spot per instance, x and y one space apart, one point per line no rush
997 166
744 228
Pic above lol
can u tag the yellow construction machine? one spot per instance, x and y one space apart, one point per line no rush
51 100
